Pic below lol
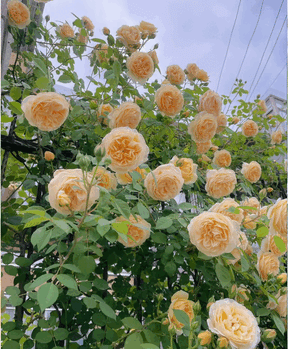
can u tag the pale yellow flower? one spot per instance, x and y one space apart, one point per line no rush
192 71
214 148
187 167
129 35
235 120
276 137
262 106
251 171
204 158
220 182
127 114
175 74
202 148
249 128
46 110
250 222
169 182
82 38
282 306
153 55
140 67
234 321
222 158
202 75
65 31
125 178
278 218
268 245
222 207
49 156
203 127
169 100
101 52
213 233
210 102
105 178
147 28
103 112
252 202
283 278
205 338
243 244
242 294
18 14
268 263
221 122
88 24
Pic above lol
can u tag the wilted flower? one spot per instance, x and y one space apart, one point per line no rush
269 189
276 137
65 31
49 156
127 114
187 168
222 158
106 31
169 100
249 128
268 263
82 38
18 14
220 182
138 231
175 74
251 171
140 67
88 24
210 102
203 127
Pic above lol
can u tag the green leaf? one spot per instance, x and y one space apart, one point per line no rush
245 265
28 344
101 284
133 341
78 23
40 65
42 82
185 206
47 295
223 275
279 243
11 270
7 258
143 212
107 310
90 302
279 323
122 207
15 93
43 337
23 262
61 334
67 281
164 223
86 264
170 268
159 238
182 317
116 68
4 84
35 221
15 300
131 322
72 267
15 334
62 225
16 108
12 290
263 312
121 227
149 346
261 232
64 78
11 345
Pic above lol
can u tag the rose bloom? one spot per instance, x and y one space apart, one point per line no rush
202 148
276 137
278 218
262 106
127 114
213 233
67 191
169 100
105 178
252 202
88 23
249 128
82 38
251 171
126 147
204 158
153 55
202 75
222 158
222 207
250 222
129 35
192 71
125 178
49 156
169 182
46 110
175 74
103 112
235 120
180 301
65 31
268 263
205 338
220 182
210 102
243 244
101 52
140 67
268 245
242 294
235 322
147 28
203 127
165 82
221 122
138 231
282 305
282 278
18 14
214 148
187 167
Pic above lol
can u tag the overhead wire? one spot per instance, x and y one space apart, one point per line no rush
275 78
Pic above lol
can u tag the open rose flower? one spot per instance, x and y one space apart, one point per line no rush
268 263
126 178
251 202
175 74
18 14
169 100
105 178
203 127
46 110
243 244
250 221
251 171
268 245
138 231
153 55
140 66
187 168
147 28
88 24
202 75
210 102
249 128
276 137
220 182
192 71
221 122
262 106
223 207
169 182
65 31
127 114
67 191
103 112
202 148
278 218
229 319
222 158
180 301
213 233
126 148
281 307
129 35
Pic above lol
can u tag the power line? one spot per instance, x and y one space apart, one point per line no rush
228 45
265 49
275 79
268 57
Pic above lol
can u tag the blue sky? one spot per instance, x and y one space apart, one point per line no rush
196 31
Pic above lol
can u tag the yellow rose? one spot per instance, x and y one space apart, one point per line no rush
147 28
127 114
222 158
210 102
251 171
187 167
268 245
202 148
204 158
82 38
223 342
175 74
276 137
101 52
262 106
278 218
223 207
65 31
268 263
125 178
138 231
249 128
192 71
243 244
205 338
235 322
46 110
49 156
213 233
221 122
127 149
282 306
235 120
140 67
88 24
103 112
169 182
105 178
242 294
180 301
203 127
67 191
153 55
220 182
18 14
129 35
251 202
249 222
169 100
283 278
202 75
214 148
